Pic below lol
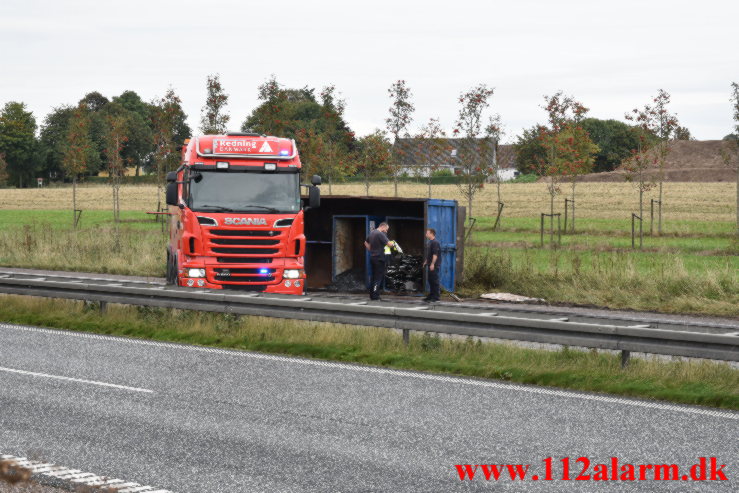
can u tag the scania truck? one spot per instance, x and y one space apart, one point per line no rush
236 214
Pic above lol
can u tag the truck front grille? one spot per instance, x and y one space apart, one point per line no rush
235 241
244 260
246 251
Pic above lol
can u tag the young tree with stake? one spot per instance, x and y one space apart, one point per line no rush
657 120
493 134
570 144
730 151
401 116
77 152
430 150
475 169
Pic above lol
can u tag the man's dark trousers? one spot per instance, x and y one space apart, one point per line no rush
434 288
379 266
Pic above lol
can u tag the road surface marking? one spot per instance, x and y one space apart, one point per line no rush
78 380
385 371
75 476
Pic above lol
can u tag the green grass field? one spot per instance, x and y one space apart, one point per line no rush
692 267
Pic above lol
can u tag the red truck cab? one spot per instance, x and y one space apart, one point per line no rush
236 215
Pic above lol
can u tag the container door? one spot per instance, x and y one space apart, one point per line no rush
442 216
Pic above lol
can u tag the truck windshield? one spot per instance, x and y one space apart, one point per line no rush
216 191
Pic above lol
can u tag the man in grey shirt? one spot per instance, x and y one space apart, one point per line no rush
376 243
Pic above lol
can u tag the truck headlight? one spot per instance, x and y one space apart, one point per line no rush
292 273
195 272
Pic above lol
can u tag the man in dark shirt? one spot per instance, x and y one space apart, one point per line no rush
433 261
377 243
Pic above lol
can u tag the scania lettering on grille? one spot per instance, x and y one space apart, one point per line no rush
246 221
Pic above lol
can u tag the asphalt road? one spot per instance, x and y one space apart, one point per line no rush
201 420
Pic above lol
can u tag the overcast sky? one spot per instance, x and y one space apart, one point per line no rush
612 56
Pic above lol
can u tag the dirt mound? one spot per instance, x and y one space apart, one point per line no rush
687 161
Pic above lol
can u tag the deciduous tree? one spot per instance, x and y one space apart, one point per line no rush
431 149
53 141
18 142
565 138
298 113
214 118
374 158
77 151
475 166
167 120
401 116
730 147
656 119
615 140
640 169
3 169
115 162
577 155
530 150
493 134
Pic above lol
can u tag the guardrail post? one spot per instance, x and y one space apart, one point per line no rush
103 307
406 337
625 357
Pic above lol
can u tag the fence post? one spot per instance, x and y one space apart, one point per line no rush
651 217
406 337
566 208
497 219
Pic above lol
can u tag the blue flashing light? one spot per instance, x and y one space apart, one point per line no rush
284 152
264 271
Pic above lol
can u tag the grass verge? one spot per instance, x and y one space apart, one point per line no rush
667 283
687 382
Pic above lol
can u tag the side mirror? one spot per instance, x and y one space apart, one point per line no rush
315 180
314 197
171 196
171 176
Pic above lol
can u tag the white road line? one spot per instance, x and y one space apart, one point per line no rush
571 394
78 380
78 477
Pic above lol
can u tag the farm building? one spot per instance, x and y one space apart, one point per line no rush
420 157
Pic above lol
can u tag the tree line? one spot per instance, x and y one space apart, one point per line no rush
100 134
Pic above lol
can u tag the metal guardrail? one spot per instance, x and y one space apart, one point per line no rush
721 343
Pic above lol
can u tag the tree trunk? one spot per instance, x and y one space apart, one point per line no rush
737 201
74 201
573 205
659 213
395 182
641 214
329 185
469 206
551 217
366 186
429 182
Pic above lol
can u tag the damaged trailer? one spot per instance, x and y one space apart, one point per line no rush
335 256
